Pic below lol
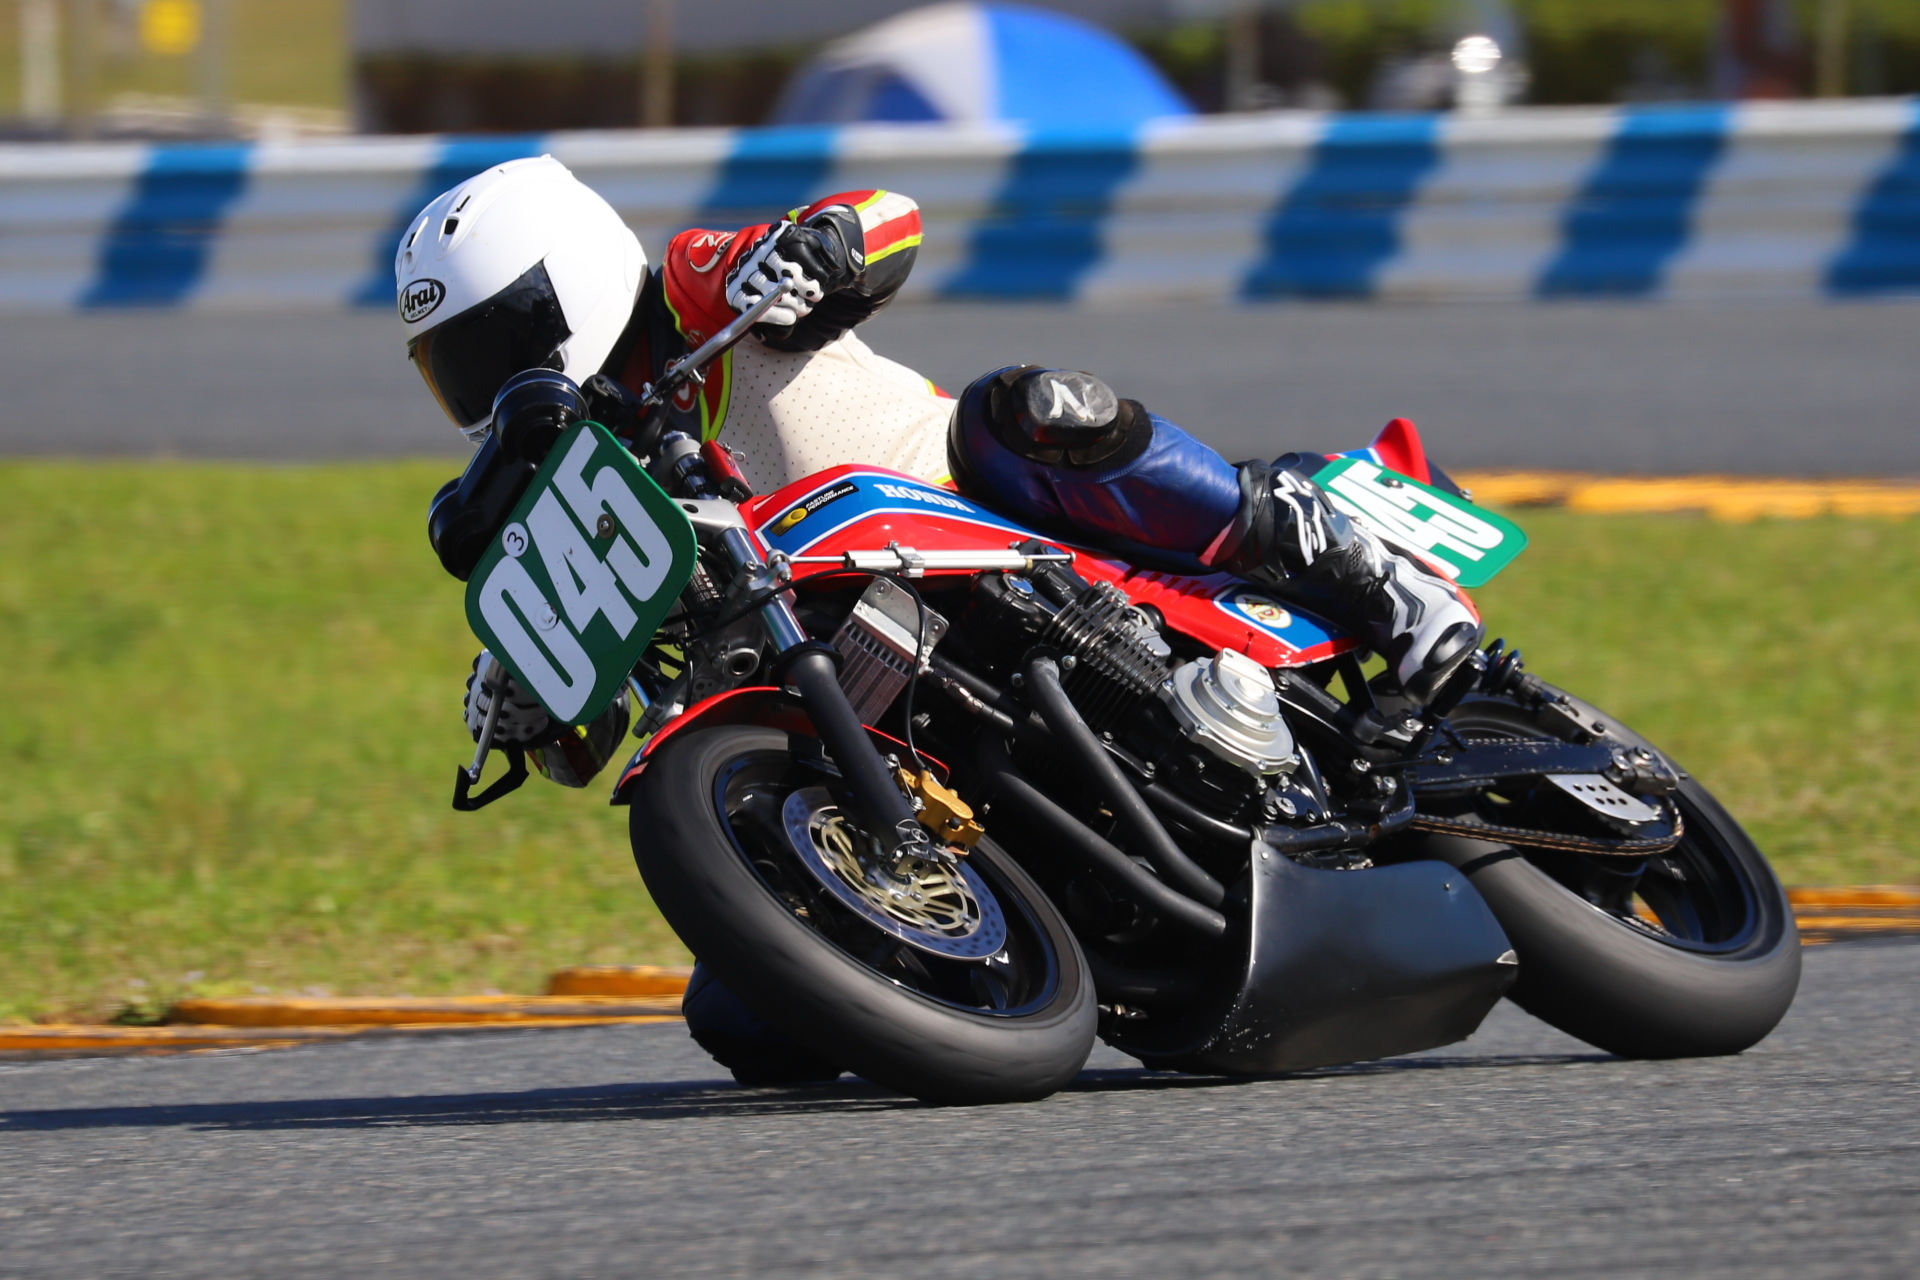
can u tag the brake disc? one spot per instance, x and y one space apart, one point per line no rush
943 908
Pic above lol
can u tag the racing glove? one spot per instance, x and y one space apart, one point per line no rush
523 721
812 256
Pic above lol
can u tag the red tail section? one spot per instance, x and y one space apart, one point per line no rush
1399 447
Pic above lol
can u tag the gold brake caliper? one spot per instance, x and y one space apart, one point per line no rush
942 811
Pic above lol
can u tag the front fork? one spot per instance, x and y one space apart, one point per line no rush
812 667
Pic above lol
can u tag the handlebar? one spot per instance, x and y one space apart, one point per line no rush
690 369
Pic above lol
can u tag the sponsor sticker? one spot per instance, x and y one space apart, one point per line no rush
421 299
1258 608
813 503
929 497
1298 631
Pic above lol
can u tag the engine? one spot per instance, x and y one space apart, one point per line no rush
1209 728
1227 704
1113 656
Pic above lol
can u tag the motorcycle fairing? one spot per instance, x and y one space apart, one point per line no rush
865 508
1342 966
750 704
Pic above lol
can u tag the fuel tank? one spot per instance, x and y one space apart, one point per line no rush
866 508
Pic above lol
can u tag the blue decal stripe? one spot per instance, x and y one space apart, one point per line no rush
458 160
1883 254
1339 223
768 172
1634 213
779 540
867 501
1300 632
1044 230
155 253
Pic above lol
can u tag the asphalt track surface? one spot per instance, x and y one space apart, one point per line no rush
1765 389
619 1151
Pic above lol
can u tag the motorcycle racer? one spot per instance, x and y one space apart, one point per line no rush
524 267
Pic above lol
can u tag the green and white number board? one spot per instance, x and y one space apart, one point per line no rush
581 575
1469 542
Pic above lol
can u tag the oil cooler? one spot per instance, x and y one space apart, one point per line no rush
876 645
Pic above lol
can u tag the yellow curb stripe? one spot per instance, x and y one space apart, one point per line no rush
187 1039
266 1011
1829 915
1859 924
619 980
1861 898
1732 498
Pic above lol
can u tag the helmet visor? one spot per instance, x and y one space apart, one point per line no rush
466 359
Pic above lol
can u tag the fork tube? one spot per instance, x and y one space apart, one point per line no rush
783 627
888 812
810 667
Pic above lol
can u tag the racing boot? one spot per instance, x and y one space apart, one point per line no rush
1287 536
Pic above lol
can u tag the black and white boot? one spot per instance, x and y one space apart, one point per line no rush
1287 536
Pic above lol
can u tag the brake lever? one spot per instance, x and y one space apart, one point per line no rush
494 682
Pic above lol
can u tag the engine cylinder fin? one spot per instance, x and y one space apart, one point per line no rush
1113 668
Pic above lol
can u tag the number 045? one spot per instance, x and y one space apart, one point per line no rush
549 656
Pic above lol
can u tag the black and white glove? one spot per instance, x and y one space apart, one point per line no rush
523 720
812 256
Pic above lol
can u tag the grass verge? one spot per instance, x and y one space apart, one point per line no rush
231 723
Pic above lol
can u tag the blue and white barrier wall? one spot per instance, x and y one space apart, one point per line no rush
1811 199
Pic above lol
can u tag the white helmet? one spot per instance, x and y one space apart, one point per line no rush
518 268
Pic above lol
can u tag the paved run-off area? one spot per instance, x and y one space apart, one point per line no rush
1674 389
618 1149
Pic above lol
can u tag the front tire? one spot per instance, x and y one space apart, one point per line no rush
1699 957
708 838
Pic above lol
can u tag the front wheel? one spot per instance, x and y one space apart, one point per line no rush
1689 953
958 984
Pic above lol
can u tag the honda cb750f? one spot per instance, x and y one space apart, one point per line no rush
936 800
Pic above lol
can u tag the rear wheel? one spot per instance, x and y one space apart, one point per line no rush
960 984
1687 953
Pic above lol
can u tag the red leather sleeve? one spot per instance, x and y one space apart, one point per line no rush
694 273
697 262
889 225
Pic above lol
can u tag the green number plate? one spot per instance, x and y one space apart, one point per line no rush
581 575
1470 542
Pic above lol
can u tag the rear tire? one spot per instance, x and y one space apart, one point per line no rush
943 1030
1714 977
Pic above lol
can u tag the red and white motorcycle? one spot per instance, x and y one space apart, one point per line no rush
937 800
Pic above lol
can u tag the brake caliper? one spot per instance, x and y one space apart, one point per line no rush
941 811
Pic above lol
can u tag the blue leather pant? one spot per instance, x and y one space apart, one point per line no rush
1161 505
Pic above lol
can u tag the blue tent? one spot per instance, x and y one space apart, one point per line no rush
975 63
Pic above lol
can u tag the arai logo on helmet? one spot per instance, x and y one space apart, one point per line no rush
417 300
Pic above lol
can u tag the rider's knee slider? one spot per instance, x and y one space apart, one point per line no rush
1064 418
